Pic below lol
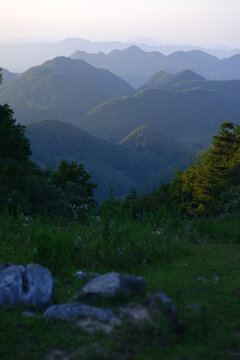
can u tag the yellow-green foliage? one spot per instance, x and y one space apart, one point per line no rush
199 187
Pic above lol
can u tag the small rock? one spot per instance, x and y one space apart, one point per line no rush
113 283
78 311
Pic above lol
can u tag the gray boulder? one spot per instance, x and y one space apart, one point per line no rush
76 311
30 286
113 283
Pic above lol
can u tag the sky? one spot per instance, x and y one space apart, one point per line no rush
196 22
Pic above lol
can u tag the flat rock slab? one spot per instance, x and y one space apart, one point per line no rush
76 311
113 283
30 286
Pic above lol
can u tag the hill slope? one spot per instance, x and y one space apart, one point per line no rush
162 79
109 164
190 115
61 88
147 139
228 87
188 79
8 76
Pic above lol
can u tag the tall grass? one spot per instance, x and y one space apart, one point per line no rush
107 242
110 241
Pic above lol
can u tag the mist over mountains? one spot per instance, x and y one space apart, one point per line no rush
82 108
136 66
20 57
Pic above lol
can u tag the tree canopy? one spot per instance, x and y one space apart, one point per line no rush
199 187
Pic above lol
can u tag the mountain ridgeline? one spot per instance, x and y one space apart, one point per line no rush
8 77
189 80
19 57
189 116
62 89
80 113
109 164
136 66
164 80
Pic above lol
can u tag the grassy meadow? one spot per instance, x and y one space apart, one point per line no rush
195 262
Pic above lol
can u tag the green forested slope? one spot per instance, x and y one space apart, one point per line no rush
109 164
228 87
163 80
187 116
61 88
8 76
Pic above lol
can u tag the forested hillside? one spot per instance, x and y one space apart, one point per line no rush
190 116
118 166
164 80
8 77
63 89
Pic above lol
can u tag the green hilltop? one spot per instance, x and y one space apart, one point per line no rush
188 79
109 164
190 116
61 88
162 79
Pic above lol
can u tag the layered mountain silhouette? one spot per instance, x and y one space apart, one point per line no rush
61 88
109 164
137 66
191 115
228 88
163 80
20 57
188 79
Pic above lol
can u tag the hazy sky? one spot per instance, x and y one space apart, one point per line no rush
197 22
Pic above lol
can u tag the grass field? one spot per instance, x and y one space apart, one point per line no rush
191 261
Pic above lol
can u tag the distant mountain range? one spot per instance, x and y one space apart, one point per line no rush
62 89
187 79
123 139
184 106
20 57
136 66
